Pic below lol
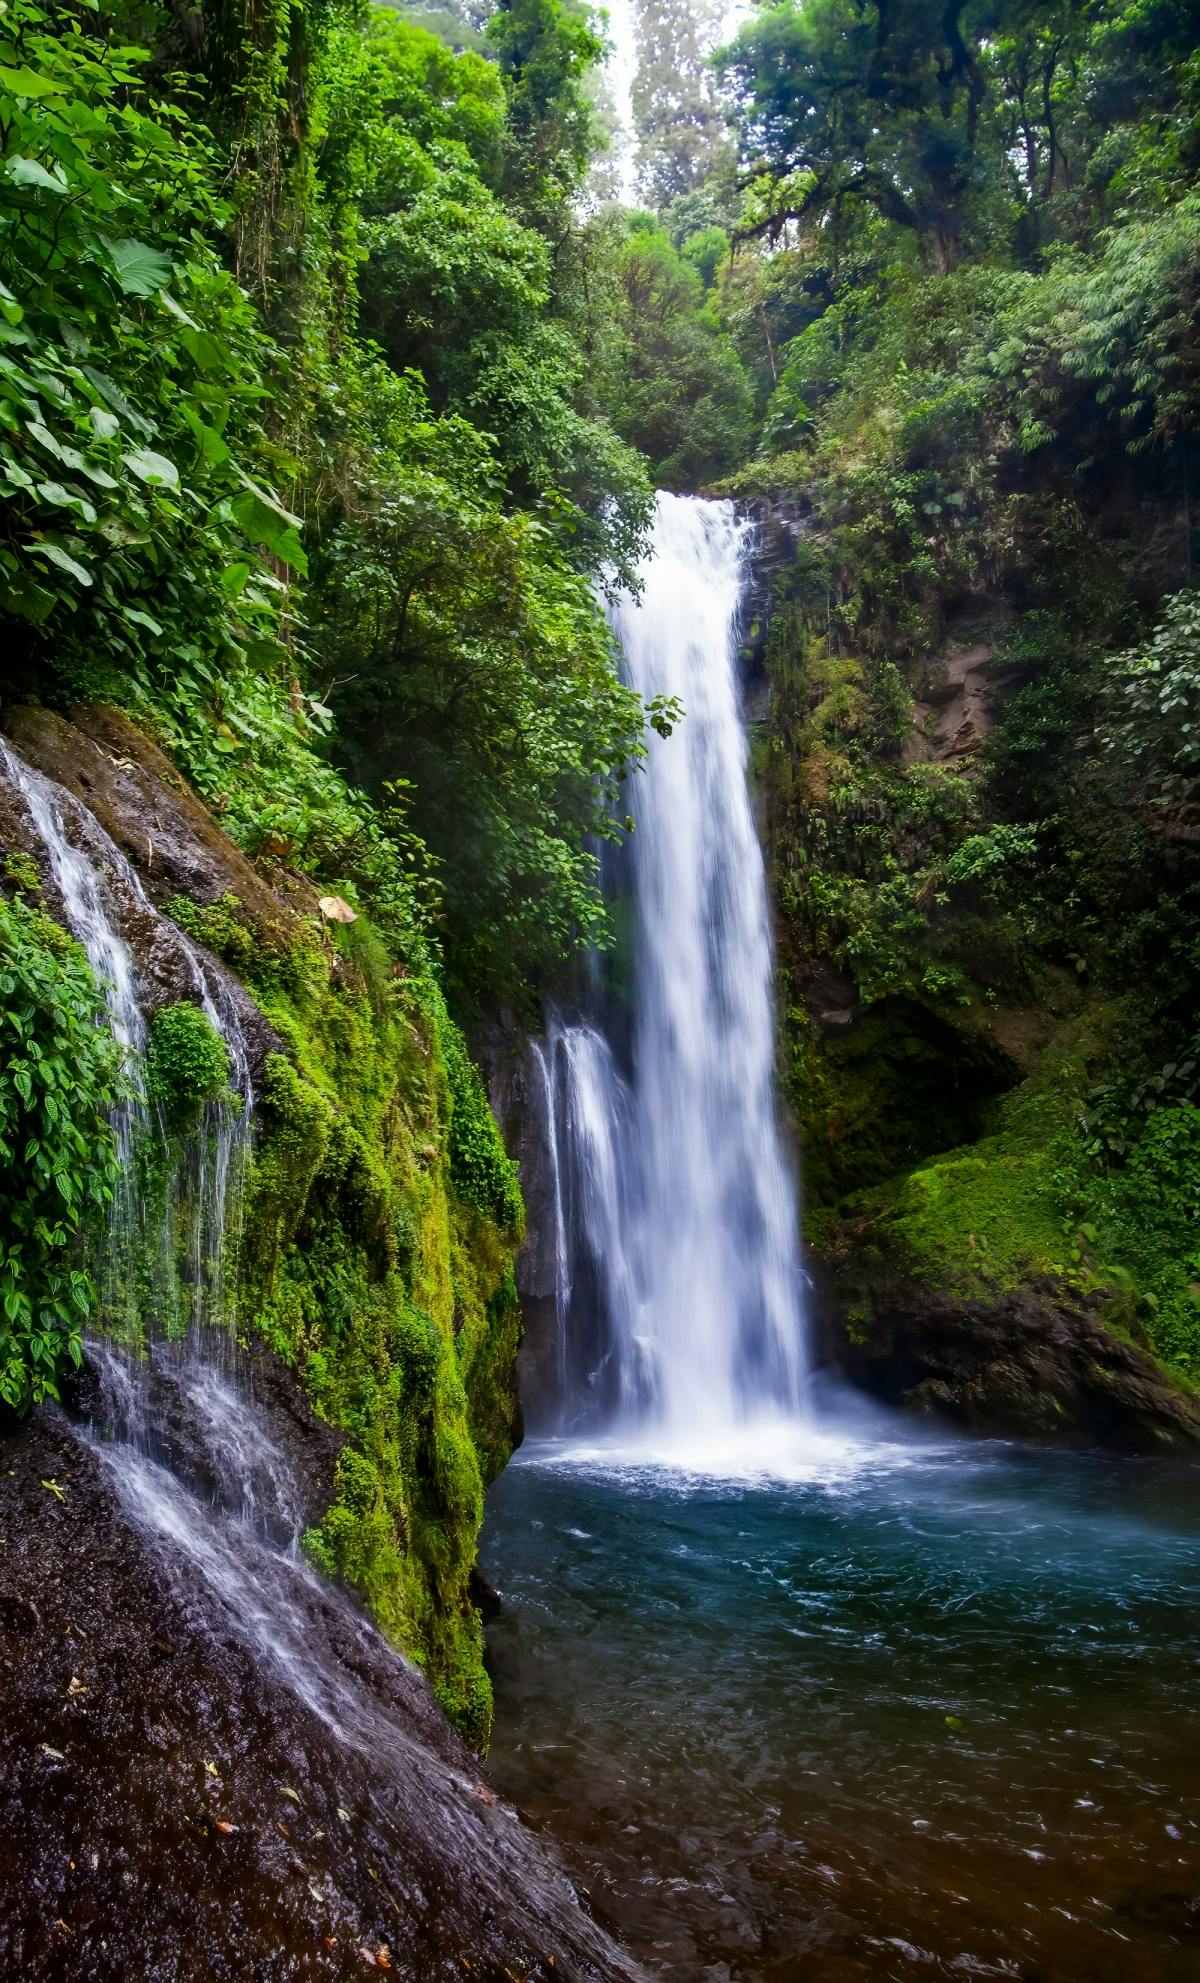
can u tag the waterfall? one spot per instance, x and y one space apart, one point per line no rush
139 1275
680 1286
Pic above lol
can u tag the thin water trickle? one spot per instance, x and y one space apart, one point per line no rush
679 1269
102 896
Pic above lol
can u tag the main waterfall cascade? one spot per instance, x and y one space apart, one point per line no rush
679 1289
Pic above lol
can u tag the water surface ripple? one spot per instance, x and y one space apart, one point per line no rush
898 1710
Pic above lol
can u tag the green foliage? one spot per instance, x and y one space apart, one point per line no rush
993 862
975 351
962 125
878 105
679 391
218 925
132 376
682 140
59 1078
186 1063
1153 732
1145 1216
545 50
452 649
479 1167
480 667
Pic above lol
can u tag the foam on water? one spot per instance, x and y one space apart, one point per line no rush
769 1451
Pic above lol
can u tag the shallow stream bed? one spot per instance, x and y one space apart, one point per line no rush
897 1710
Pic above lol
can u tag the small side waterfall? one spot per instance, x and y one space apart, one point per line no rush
680 1286
153 1279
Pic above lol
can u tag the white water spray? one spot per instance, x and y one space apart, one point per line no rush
682 1207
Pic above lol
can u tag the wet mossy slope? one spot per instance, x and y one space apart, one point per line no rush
381 1214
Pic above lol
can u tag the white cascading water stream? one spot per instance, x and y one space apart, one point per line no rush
681 1205
97 885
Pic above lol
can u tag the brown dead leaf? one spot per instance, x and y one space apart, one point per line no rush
223 1825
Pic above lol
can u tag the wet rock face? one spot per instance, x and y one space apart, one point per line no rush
142 802
231 1423
171 1812
518 1099
1027 1364
778 522
111 807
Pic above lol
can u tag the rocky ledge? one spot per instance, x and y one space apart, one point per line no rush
1027 1363
172 1808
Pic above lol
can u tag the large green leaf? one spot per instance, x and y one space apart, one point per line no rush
28 172
63 560
152 468
140 269
27 82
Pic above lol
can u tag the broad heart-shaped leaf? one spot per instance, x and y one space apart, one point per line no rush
140 269
28 83
212 447
270 499
27 172
292 551
265 523
62 559
151 467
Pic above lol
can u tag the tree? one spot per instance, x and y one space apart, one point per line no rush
879 105
545 51
679 122
682 396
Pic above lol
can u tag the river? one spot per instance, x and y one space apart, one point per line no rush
923 1709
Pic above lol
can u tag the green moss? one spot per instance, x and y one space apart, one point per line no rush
990 1215
986 1216
481 1170
219 925
58 1079
186 1063
372 1268
897 1086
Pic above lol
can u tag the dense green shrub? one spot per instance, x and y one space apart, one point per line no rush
136 534
59 1077
186 1063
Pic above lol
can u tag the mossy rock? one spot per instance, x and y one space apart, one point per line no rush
383 1215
